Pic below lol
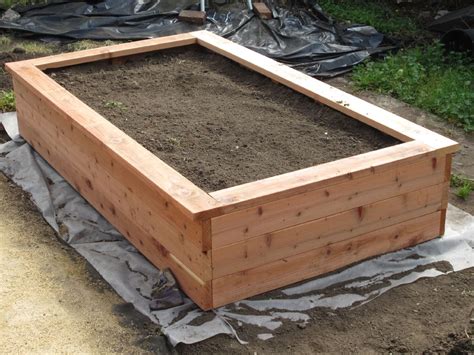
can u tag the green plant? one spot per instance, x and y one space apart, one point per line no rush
427 78
465 186
465 190
174 141
381 15
5 4
88 44
9 43
7 101
5 41
456 180
115 104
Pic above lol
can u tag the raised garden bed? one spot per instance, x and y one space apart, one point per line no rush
266 213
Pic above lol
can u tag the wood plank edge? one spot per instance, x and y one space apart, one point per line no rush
302 181
444 206
109 52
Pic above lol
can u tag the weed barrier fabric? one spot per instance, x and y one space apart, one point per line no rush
301 36
137 281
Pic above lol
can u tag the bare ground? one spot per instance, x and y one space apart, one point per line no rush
51 300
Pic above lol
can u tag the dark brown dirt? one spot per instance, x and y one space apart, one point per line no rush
430 315
3 135
217 123
6 57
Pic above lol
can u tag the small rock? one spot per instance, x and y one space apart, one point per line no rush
441 13
302 325
18 50
402 349
425 14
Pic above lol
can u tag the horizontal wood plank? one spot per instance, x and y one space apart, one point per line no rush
262 10
109 52
319 176
312 263
193 16
325 231
258 220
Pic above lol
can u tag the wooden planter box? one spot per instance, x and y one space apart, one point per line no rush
241 241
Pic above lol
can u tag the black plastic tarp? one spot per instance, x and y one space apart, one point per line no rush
462 19
300 35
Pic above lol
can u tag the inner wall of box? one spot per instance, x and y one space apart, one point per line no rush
217 123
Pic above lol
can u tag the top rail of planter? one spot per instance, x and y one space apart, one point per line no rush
193 201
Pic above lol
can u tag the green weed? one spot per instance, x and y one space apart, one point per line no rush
427 78
88 44
8 44
384 18
115 104
456 180
7 101
465 186
5 41
5 4
35 47
465 190
174 141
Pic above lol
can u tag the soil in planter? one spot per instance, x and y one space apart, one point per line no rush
217 123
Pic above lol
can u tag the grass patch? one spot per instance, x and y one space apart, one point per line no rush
35 47
8 44
7 101
426 78
5 4
381 15
88 44
464 186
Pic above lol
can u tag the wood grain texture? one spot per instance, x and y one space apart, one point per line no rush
325 231
290 211
445 192
283 272
262 10
319 176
